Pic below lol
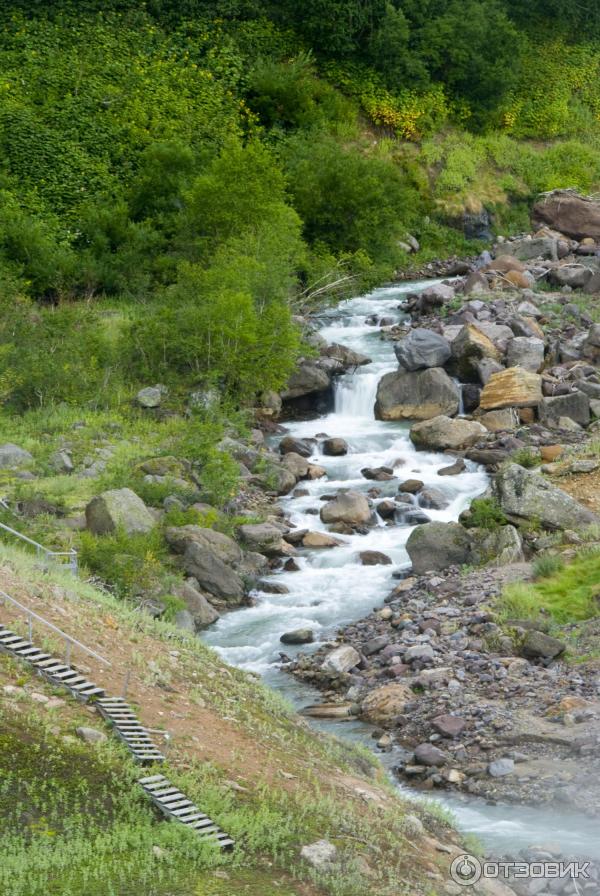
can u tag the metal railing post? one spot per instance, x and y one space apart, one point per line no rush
30 627
67 652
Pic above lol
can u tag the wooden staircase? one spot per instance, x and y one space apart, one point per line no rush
50 668
127 727
175 806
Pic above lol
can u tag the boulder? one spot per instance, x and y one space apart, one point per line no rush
150 397
61 462
12 456
374 558
513 387
306 379
213 575
526 496
417 395
276 478
197 604
118 508
321 855
184 621
385 703
297 465
575 276
573 215
320 540
342 659
528 248
476 284
503 420
180 537
427 754
436 296
435 546
501 767
454 469
433 498
537 645
422 349
471 346
499 547
91 735
289 444
575 405
298 636
347 357
443 433
378 474
335 447
348 507
526 352
262 537
486 368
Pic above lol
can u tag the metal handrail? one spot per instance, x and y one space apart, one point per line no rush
72 553
69 641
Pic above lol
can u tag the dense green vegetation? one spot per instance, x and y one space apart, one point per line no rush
176 179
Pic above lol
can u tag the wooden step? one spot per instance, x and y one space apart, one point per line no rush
175 806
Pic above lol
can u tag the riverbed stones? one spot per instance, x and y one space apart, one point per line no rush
526 352
575 405
303 447
422 349
442 433
335 447
436 545
417 395
118 508
265 538
348 507
455 469
449 726
525 496
342 659
385 703
513 387
297 465
470 346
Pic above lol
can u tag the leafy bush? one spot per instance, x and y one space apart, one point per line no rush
525 457
486 513
131 565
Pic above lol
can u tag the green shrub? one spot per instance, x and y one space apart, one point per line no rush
547 566
486 513
131 565
525 457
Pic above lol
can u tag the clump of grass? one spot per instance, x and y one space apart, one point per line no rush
526 457
568 594
547 566
486 513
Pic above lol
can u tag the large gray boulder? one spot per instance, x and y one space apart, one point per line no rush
197 604
575 405
213 575
435 546
538 247
13 456
306 379
416 395
441 433
574 275
275 477
226 549
422 349
262 537
526 352
348 507
525 496
118 508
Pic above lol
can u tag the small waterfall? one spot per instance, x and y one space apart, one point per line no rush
355 395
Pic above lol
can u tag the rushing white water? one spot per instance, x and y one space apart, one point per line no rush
332 588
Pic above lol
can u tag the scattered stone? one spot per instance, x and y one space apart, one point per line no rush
91 735
459 466
385 703
335 447
422 349
342 659
441 433
374 558
320 540
435 546
501 767
348 507
12 456
449 726
428 755
537 645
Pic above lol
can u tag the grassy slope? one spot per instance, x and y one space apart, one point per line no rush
247 759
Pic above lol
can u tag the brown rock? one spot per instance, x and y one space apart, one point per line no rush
320 540
386 702
513 387
573 215
449 726
374 558
412 486
549 453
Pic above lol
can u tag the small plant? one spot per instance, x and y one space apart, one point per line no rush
526 457
486 513
547 566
